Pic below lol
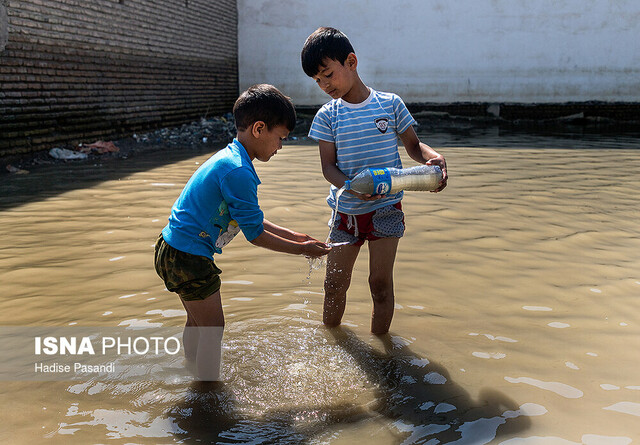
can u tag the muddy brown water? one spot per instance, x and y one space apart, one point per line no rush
517 317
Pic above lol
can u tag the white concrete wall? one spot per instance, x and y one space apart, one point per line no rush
454 51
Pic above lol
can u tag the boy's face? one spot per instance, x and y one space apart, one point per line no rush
335 78
270 141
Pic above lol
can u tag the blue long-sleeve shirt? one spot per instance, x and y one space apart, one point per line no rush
219 200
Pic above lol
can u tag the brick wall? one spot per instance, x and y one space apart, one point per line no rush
75 70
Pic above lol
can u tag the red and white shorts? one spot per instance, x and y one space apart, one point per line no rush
385 222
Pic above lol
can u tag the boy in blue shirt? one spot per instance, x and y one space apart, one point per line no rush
358 129
219 201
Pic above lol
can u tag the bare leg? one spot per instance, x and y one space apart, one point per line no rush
382 255
207 320
337 279
190 337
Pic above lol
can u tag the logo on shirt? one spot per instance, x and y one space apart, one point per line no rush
382 123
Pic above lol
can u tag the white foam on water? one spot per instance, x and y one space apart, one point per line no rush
635 388
493 338
127 296
597 291
571 365
168 313
398 306
489 355
505 339
435 379
420 431
298 307
480 431
538 440
526 409
626 408
592 354
561 389
409 380
108 313
419 362
310 321
485 430
416 307
425 406
537 308
593 439
245 282
162 184
135 323
608 387
559 325
307 292
241 298
118 258
128 424
277 294
444 408
623 324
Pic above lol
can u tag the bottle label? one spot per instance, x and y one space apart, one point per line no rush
381 180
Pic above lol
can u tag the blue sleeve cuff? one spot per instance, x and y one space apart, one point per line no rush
251 233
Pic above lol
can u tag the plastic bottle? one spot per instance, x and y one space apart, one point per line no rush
381 181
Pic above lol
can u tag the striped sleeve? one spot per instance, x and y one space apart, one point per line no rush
403 118
321 126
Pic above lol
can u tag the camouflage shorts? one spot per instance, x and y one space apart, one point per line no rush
192 277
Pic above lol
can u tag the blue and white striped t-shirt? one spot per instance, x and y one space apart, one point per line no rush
365 136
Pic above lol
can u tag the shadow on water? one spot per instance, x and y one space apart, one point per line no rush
209 414
50 180
419 396
415 397
47 181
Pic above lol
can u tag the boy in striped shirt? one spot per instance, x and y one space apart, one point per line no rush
358 129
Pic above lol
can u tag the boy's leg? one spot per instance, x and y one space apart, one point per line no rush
340 263
382 255
208 320
189 336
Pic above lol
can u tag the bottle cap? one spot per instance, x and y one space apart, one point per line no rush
347 185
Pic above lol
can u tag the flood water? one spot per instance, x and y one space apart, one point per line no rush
517 317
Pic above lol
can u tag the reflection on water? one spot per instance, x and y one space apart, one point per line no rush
517 318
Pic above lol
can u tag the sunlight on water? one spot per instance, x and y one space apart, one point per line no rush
559 388
517 319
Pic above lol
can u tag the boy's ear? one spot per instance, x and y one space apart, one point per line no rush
257 128
352 61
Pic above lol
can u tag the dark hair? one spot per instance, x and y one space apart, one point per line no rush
264 103
324 43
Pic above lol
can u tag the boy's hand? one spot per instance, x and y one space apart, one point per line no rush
314 248
365 196
440 162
